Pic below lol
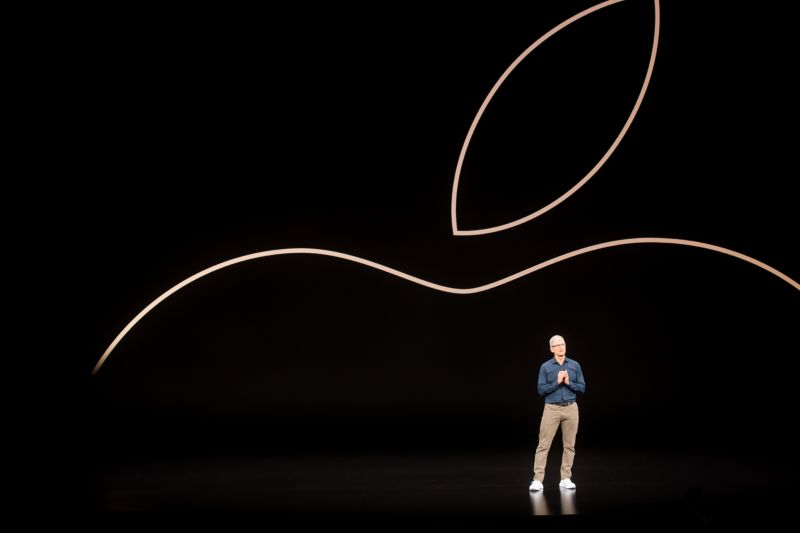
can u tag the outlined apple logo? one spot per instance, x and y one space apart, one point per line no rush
458 231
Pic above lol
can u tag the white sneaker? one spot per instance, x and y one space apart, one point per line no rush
536 485
566 484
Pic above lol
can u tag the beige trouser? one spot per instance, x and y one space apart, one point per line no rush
553 417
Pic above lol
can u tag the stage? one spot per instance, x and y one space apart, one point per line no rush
613 487
311 265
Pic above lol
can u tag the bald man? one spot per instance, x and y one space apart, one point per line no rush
560 381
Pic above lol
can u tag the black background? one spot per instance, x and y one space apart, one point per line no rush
191 138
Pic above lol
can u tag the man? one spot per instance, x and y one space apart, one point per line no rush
560 379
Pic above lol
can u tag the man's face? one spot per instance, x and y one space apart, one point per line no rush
559 348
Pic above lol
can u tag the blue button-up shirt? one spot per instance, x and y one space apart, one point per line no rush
554 392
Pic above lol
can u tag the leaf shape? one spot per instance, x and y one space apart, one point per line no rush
560 128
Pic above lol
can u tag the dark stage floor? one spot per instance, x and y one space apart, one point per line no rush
628 489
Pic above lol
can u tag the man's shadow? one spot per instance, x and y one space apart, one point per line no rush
541 504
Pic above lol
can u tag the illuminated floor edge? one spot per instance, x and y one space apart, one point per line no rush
676 487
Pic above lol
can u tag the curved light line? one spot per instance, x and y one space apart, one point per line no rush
431 285
597 166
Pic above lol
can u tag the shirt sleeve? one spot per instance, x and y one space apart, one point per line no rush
577 385
544 387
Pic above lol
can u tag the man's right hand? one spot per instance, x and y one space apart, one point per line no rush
561 376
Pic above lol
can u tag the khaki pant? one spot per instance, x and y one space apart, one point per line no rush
553 417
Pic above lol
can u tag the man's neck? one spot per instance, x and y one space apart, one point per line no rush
560 360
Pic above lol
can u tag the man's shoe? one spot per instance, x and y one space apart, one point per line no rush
566 484
536 485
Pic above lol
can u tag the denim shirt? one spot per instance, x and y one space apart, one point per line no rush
548 381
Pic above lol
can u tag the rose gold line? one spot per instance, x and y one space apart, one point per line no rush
600 163
431 285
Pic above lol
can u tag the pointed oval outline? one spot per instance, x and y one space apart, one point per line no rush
597 166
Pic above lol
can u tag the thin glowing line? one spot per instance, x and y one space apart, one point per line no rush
600 163
431 285
508 279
